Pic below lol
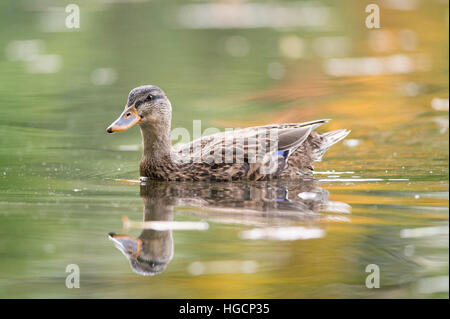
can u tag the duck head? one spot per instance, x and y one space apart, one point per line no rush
147 106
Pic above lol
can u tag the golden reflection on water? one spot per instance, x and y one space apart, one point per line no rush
281 204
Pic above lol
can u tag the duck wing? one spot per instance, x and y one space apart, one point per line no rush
245 145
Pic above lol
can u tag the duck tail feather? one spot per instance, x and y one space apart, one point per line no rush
329 139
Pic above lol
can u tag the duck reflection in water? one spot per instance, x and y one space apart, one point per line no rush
151 252
248 203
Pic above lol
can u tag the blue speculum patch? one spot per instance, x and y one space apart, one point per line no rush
284 153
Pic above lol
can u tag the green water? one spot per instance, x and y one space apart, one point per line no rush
65 184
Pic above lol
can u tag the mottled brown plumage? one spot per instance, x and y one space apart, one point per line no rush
254 153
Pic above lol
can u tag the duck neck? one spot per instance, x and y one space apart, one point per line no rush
157 143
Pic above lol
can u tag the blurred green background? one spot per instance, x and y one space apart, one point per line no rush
230 64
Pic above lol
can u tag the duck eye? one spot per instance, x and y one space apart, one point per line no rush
150 97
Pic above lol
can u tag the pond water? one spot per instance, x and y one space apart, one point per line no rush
69 192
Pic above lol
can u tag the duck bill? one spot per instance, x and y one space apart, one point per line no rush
128 245
127 119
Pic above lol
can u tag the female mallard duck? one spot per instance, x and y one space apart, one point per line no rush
253 153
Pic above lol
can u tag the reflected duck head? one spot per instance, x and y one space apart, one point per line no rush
147 106
149 254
